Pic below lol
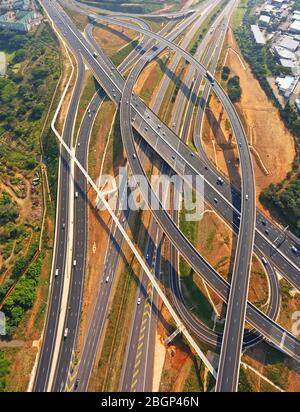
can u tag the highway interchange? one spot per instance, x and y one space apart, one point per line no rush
166 143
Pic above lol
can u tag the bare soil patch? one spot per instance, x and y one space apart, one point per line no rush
266 132
113 38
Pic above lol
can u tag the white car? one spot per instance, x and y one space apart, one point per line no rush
139 301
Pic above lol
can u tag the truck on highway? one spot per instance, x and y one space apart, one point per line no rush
210 77
264 261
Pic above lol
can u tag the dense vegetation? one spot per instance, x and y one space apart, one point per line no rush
4 368
283 197
234 89
25 95
8 209
132 6
225 73
22 297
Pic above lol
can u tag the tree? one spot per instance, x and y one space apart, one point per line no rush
37 111
19 56
39 73
225 73
234 89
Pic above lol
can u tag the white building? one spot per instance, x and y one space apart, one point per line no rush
289 43
287 63
277 3
259 38
264 19
268 9
296 16
284 53
286 85
295 27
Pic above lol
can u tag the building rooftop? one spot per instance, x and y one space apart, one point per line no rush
17 20
289 43
284 53
259 38
286 84
269 7
287 63
295 26
265 19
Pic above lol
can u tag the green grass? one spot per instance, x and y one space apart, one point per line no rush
147 93
193 382
210 239
80 20
239 13
244 382
118 57
117 141
146 6
197 301
4 370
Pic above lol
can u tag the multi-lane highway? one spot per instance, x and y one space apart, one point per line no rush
60 270
171 229
108 76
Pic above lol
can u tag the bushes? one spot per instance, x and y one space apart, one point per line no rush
8 209
11 41
5 288
234 89
37 111
19 56
225 73
22 262
4 370
286 199
39 73
22 297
